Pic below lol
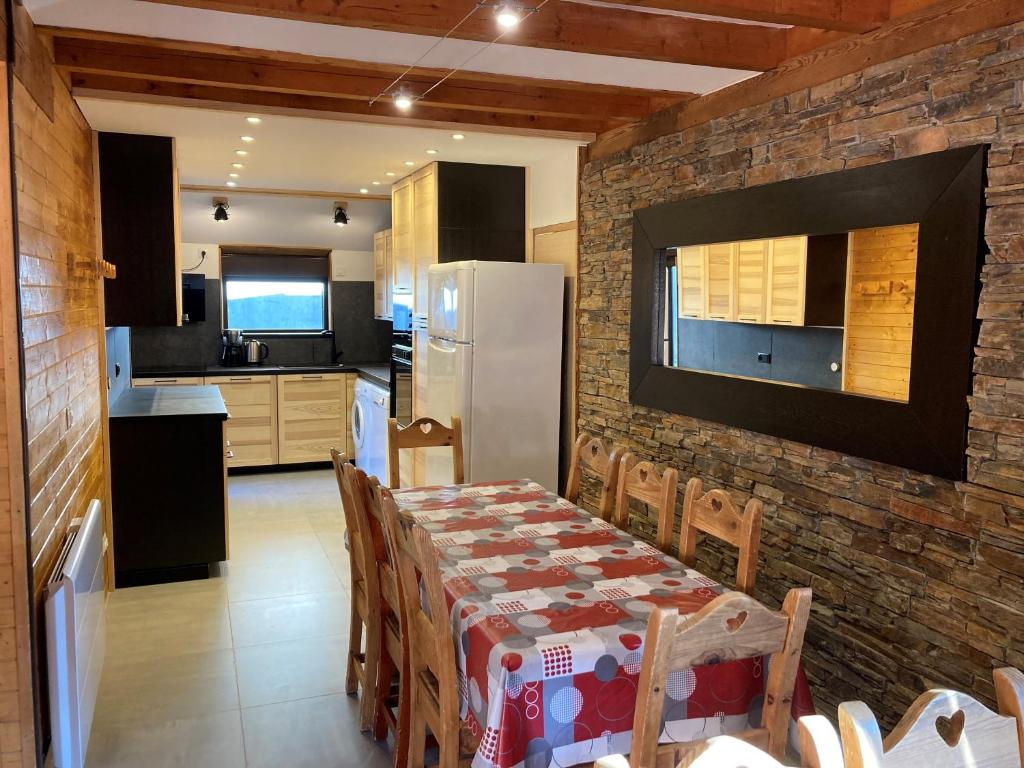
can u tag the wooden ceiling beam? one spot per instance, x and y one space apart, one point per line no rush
835 15
137 89
936 24
351 80
564 26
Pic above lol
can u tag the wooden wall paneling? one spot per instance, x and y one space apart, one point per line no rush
882 269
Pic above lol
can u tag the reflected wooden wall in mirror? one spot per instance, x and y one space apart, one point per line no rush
836 310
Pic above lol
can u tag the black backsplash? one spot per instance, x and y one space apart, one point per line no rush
359 336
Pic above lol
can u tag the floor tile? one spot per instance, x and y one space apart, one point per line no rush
321 732
208 741
255 622
178 622
296 669
255 582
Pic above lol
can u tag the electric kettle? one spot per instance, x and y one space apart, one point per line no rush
255 352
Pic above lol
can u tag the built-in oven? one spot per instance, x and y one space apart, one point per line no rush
401 366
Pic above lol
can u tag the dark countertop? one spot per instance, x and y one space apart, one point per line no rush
378 372
142 402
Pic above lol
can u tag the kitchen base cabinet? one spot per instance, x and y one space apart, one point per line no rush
312 412
252 427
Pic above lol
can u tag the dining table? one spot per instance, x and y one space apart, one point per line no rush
549 607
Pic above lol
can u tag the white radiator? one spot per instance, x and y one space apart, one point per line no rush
75 635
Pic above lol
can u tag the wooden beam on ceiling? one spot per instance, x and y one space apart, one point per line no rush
273 192
212 97
939 23
836 15
565 26
178 62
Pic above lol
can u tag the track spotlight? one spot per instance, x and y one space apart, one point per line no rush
403 99
340 215
508 15
220 209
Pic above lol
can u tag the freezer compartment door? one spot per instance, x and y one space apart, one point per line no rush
448 393
450 310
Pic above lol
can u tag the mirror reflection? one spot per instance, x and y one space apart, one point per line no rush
829 311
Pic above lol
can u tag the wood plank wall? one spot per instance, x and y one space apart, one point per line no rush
881 268
62 325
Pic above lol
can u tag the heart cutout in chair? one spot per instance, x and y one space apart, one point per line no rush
951 728
736 621
594 451
642 474
426 427
716 504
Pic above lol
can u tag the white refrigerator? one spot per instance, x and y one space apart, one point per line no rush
494 359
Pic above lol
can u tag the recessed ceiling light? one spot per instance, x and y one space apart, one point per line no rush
232 183
254 120
247 139
458 136
237 165
409 162
364 191
390 173
375 183
241 152
431 151
233 175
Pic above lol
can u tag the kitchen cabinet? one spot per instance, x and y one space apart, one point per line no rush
751 274
690 276
787 275
251 431
382 275
402 237
139 221
168 381
415 472
720 272
424 194
312 413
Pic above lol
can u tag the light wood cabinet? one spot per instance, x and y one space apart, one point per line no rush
168 381
312 412
751 278
424 195
382 247
403 247
720 272
252 427
415 472
690 278
787 280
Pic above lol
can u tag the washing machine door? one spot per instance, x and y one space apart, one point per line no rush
360 427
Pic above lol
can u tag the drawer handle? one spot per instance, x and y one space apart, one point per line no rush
312 376
165 381
241 378
227 443
230 454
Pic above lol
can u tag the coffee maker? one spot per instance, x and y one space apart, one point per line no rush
232 348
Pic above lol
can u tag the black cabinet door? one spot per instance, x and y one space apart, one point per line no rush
481 212
137 210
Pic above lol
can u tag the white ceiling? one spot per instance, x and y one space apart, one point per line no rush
308 153
181 23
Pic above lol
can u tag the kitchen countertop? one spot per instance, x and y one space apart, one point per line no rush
380 373
141 402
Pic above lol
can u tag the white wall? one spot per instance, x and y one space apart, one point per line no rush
552 185
346 266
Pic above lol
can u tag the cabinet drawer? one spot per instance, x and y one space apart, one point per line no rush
312 412
252 428
169 381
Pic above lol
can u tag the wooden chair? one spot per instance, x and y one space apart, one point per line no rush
942 729
715 514
640 480
732 626
819 743
589 454
424 433
434 691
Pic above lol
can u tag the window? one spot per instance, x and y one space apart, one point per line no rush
276 290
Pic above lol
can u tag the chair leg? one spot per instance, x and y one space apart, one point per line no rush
385 674
371 664
417 732
448 742
404 716
355 639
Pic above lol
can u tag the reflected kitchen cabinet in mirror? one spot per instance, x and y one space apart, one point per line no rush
832 311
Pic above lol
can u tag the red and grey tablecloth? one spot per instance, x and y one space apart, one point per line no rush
549 608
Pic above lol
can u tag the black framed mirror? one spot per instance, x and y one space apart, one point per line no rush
836 310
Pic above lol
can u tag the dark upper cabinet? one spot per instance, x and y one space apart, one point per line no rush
139 218
826 280
481 212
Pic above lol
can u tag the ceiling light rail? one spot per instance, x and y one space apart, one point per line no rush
507 14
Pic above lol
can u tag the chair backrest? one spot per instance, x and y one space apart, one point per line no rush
373 540
424 433
640 480
715 514
355 538
730 752
819 743
590 455
732 626
431 648
1010 696
942 729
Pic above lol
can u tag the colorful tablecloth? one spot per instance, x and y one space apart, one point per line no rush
549 607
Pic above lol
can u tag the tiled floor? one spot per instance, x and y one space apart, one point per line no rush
246 668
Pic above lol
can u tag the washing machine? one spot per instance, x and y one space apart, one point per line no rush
371 406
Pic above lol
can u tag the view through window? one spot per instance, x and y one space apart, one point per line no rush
275 305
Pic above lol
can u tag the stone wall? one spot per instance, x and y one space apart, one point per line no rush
917 580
